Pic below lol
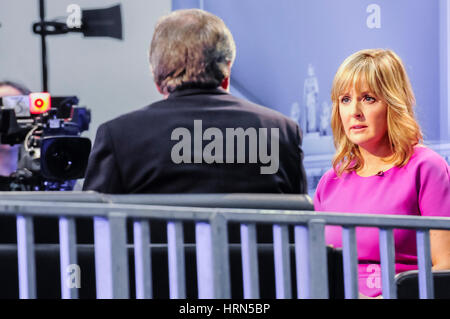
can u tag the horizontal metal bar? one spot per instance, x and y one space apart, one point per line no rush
233 200
87 196
89 210
230 214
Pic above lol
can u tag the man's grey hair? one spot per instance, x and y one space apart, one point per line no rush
191 48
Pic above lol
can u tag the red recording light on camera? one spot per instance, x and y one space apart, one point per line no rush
39 102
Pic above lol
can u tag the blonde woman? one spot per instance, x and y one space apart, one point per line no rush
380 167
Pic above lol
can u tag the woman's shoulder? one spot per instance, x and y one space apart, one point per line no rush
329 178
432 176
427 165
424 156
329 184
329 175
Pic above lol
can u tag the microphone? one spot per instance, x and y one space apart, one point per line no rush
380 173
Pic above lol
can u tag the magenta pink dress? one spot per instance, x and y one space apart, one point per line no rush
421 187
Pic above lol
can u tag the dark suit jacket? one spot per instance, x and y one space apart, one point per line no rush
132 153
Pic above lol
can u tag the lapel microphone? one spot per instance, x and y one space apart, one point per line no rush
380 173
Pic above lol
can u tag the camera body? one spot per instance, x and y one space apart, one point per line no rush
52 153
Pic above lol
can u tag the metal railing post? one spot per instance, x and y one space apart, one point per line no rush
142 259
111 258
426 285
249 253
282 262
26 259
177 273
387 259
350 262
213 269
70 271
311 260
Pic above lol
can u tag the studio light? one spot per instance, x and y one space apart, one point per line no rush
104 22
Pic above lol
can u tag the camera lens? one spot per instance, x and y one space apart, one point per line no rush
64 157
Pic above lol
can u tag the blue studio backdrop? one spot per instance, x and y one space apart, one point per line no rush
288 52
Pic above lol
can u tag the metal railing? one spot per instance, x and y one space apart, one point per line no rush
211 214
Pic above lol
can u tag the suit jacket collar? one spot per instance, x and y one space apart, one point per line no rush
196 91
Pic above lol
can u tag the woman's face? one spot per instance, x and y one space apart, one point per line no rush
364 118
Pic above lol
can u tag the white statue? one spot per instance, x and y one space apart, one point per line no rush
325 118
310 93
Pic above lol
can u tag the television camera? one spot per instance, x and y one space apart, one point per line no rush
52 154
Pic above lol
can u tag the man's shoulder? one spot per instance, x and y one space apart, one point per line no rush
170 108
259 108
222 98
131 117
262 111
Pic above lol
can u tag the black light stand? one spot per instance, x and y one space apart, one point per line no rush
43 48
95 23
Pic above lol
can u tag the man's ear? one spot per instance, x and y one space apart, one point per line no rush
157 86
161 91
225 84
226 81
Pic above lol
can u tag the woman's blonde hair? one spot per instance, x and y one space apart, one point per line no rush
385 75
